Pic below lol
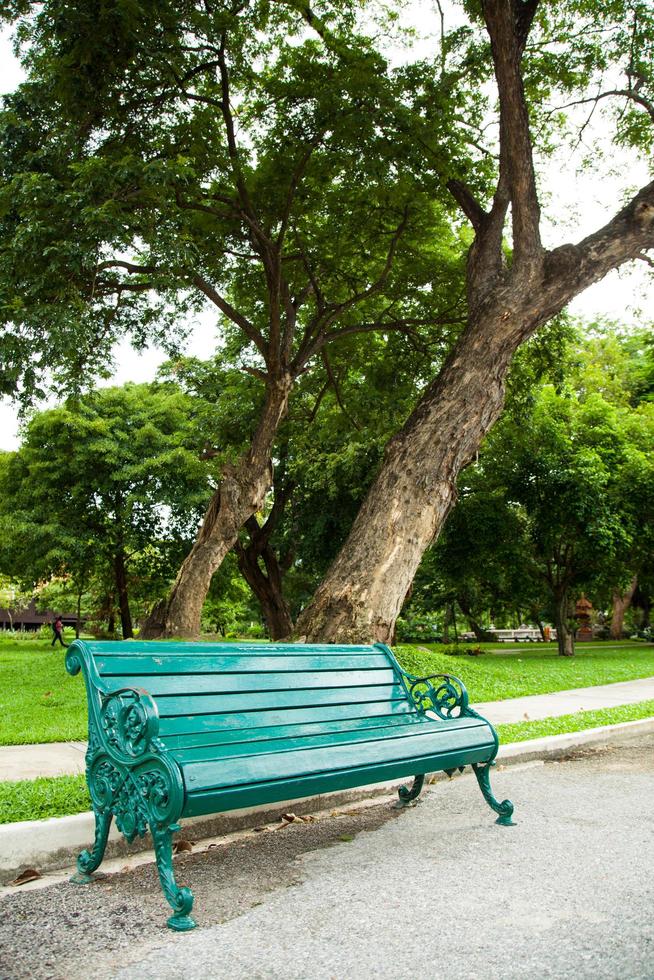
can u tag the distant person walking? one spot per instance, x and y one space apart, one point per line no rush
58 632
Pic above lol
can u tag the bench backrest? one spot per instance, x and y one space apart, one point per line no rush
234 691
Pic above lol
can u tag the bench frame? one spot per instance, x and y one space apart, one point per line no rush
133 778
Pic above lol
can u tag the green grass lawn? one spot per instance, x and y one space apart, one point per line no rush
40 702
534 669
36 799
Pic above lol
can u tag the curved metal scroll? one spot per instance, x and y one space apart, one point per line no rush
449 699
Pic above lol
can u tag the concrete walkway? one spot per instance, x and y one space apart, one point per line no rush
67 758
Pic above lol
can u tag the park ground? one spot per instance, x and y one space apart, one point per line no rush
377 892
41 703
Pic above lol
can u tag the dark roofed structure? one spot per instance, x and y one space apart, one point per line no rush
27 618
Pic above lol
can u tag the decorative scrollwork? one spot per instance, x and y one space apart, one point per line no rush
408 794
504 810
139 797
129 722
445 699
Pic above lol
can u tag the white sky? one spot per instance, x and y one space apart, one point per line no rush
574 206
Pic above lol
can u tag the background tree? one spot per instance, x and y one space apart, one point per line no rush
560 499
103 486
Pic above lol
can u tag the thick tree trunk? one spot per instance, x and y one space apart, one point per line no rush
621 602
79 615
241 494
274 607
565 636
120 573
360 598
267 586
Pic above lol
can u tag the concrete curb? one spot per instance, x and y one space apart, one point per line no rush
55 843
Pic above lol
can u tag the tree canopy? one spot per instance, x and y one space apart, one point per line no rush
104 492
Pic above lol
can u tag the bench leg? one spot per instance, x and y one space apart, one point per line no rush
503 809
180 899
408 794
89 861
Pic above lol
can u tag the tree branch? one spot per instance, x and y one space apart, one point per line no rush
241 321
468 203
572 268
508 23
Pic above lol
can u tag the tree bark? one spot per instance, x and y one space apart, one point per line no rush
267 585
564 635
120 573
241 494
621 602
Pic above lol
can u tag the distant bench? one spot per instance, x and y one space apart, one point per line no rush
183 729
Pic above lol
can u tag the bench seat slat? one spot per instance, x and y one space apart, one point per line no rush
276 790
177 665
253 721
290 741
250 685
192 704
288 765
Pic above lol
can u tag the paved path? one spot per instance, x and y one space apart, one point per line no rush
67 758
567 702
437 890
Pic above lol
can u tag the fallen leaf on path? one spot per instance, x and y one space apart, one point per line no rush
29 874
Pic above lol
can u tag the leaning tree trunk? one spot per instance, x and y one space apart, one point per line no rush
408 502
360 598
241 494
621 602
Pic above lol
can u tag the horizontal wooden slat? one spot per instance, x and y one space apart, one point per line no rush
251 721
193 704
232 798
304 762
117 666
253 684
286 740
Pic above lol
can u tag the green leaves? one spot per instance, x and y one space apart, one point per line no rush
114 472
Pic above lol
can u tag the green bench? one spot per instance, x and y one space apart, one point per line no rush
184 729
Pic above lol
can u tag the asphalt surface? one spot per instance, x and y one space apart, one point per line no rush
437 890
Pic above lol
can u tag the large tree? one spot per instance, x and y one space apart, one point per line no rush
572 52
106 486
163 156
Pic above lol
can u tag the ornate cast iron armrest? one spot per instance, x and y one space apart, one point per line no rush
128 724
124 723
449 699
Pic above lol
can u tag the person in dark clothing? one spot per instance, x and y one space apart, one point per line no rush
58 631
